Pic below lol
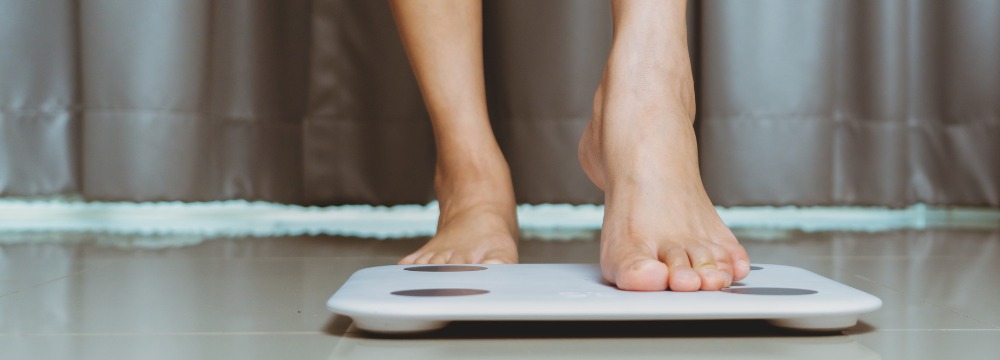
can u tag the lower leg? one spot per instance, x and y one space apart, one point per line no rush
660 228
477 223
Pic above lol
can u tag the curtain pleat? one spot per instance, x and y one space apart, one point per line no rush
851 102
860 102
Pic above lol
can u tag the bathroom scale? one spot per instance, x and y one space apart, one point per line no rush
419 298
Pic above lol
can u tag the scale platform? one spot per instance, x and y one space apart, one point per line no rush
418 298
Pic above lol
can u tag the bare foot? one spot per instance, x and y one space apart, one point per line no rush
660 231
478 219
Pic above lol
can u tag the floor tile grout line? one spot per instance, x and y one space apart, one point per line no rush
930 302
961 313
71 274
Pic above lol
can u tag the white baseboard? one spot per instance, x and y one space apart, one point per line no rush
242 218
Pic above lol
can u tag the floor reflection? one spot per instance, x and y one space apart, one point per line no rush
99 296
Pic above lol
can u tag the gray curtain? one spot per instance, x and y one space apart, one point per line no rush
816 102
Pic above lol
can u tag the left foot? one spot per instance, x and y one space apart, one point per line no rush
660 230
478 213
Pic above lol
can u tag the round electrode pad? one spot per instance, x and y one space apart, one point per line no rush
769 291
440 292
445 268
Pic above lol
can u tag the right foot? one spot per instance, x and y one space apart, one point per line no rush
478 215
660 229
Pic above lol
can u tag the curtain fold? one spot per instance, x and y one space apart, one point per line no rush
851 102
888 102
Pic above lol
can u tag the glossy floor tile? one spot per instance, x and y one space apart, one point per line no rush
86 296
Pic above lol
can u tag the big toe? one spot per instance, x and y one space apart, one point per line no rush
641 274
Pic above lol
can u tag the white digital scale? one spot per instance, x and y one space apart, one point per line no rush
418 298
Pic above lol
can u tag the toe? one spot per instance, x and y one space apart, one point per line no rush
703 262
682 277
457 259
641 274
740 260
439 258
424 258
713 279
409 259
633 265
724 263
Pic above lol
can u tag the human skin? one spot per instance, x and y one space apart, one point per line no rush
478 219
660 228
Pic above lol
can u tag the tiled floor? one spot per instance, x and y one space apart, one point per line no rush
65 296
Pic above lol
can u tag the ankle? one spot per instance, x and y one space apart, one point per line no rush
662 94
471 171
638 77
